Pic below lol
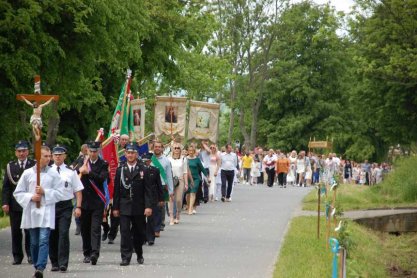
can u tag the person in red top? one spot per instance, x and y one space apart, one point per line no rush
282 168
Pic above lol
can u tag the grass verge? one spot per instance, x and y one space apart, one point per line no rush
372 254
355 197
399 189
4 222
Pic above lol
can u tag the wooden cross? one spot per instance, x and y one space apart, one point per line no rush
37 101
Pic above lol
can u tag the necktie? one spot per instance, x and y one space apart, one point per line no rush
21 166
57 168
131 170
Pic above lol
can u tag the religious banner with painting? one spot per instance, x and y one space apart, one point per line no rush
170 115
204 120
138 112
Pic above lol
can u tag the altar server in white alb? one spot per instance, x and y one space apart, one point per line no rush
40 220
59 243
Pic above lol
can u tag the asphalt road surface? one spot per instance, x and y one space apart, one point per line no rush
237 239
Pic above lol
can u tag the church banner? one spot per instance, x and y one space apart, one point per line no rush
138 112
170 115
204 120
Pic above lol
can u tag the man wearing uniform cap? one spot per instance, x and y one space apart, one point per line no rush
95 171
59 244
132 202
14 171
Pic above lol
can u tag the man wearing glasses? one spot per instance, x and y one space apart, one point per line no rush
14 171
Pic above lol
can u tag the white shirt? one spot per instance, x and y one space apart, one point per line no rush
179 167
269 161
166 164
228 161
43 217
70 181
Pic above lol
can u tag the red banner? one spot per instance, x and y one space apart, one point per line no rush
110 155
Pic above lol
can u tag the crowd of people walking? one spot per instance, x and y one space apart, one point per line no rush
171 180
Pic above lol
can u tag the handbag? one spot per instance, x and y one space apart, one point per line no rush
176 181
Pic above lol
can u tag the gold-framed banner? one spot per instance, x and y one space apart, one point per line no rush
170 115
203 120
138 113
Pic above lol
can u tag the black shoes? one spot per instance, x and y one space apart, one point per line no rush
86 260
54 268
124 263
151 242
141 260
77 230
223 199
38 274
63 268
16 262
111 241
104 237
93 260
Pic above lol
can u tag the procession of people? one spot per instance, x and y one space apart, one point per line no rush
168 180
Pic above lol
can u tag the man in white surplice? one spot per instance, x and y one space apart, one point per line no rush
41 220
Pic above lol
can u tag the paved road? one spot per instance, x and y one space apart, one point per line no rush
237 239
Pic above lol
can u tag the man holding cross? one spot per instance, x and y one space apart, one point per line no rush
39 220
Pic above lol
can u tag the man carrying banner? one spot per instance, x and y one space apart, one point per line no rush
160 161
132 203
59 244
14 171
94 174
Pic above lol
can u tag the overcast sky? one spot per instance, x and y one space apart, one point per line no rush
341 5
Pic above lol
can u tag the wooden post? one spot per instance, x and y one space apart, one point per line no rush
318 212
37 101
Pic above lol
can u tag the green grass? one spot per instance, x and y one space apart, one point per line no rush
4 222
371 255
399 189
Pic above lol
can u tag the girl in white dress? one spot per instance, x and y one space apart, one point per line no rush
255 171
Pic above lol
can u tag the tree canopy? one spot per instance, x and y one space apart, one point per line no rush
286 72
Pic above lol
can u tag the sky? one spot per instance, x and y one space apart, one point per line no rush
341 5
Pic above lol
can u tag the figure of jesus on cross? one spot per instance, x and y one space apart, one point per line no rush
38 102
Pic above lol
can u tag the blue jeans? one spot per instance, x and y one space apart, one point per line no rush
39 247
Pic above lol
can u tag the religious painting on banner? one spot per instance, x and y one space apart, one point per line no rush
204 120
138 110
170 115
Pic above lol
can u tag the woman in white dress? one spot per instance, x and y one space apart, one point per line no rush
214 165
292 172
301 169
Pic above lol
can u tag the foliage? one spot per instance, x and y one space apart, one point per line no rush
305 93
384 43
372 255
402 182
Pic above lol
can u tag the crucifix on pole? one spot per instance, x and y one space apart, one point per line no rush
37 101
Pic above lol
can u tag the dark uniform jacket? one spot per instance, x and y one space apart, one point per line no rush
133 200
11 177
156 184
99 174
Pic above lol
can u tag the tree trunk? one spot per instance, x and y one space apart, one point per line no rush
247 142
53 125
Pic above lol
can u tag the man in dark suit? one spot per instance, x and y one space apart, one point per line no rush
94 171
132 202
157 195
13 173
